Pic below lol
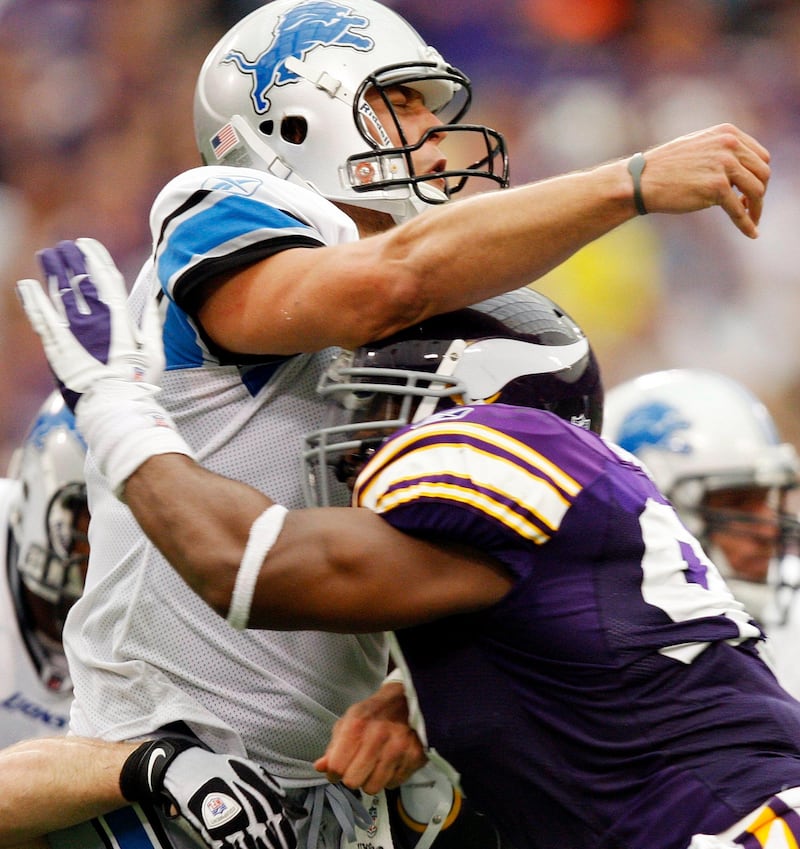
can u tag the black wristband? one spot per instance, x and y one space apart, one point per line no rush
635 167
142 774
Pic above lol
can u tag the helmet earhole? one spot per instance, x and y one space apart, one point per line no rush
294 129
266 127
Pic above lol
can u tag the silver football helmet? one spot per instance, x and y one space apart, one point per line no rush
48 544
519 349
700 433
284 92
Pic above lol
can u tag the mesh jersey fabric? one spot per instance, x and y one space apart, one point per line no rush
146 651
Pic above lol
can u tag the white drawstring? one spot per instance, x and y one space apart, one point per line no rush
345 806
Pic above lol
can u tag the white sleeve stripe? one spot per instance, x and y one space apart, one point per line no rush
468 473
492 442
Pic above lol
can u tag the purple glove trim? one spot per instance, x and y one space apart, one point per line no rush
62 265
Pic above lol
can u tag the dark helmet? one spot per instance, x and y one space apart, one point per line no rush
519 349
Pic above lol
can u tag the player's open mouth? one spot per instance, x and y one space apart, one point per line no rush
438 168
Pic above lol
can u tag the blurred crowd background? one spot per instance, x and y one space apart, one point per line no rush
96 115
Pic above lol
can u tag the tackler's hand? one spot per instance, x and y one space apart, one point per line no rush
372 745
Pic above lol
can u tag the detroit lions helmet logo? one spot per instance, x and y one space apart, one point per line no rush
318 23
654 425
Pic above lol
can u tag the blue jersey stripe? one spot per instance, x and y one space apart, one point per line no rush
202 233
128 828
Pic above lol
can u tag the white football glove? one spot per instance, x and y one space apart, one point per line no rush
229 802
107 367
84 324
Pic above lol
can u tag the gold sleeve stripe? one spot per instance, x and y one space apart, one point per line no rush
488 476
493 439
464 495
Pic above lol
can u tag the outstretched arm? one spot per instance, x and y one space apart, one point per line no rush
463 252
335 569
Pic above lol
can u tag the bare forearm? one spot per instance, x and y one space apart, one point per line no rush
324 571
464 252
447 258
483 246
53 783
200 533
517 236
460 253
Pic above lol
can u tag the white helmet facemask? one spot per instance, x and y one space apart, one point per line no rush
285 91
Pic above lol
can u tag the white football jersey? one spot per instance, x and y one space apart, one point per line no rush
28 708
144 650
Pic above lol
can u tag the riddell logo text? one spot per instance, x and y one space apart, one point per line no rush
18 703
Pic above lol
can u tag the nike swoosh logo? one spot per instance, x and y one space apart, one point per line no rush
152 762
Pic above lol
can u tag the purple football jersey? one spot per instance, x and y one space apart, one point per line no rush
616 696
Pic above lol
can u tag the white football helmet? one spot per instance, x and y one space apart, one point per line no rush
699 432
519 349
48 549
283 92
